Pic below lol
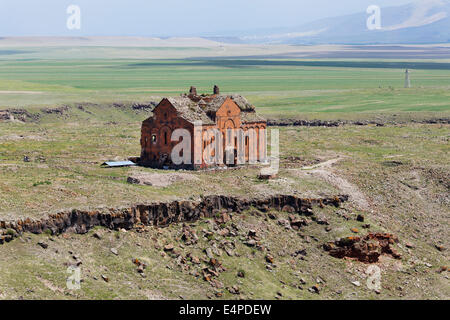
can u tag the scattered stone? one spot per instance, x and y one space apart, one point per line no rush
216 250
321 219
223 218
234 289
216 284
168 247
250 243
140 268
272 216
442 269
319 280
439 247
301 253
43 244
105 278
189 236
251 233
360 218
267 176
175 253
285 223
288 208
297 223
229 251
224 232
114 251
356 283
409 245
395 254
209 253
269 258
140 265
97 235
314 289
195 260
241 274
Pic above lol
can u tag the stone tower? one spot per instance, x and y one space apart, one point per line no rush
407 80
193 91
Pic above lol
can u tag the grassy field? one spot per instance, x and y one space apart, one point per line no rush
396 175
401 171
279 88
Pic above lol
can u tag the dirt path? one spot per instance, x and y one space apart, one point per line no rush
20 92
324 171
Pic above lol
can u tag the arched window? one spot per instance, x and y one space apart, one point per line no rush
165 137
153 138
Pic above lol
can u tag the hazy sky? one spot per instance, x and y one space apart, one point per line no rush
168 17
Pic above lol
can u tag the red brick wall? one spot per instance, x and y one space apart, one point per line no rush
165 120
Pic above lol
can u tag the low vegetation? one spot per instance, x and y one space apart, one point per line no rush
67 123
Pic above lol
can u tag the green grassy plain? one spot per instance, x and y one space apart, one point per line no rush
401 170
399 173
279 88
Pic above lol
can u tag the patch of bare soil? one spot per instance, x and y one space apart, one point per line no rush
324 171
160 179
17 137
20 92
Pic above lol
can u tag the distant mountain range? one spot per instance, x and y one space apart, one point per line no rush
422 22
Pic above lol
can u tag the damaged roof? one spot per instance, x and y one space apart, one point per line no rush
189 110
199 108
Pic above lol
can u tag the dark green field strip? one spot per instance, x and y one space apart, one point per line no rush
287 63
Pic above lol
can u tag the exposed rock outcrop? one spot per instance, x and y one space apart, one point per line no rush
338 123
17 114
158 214
366 249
